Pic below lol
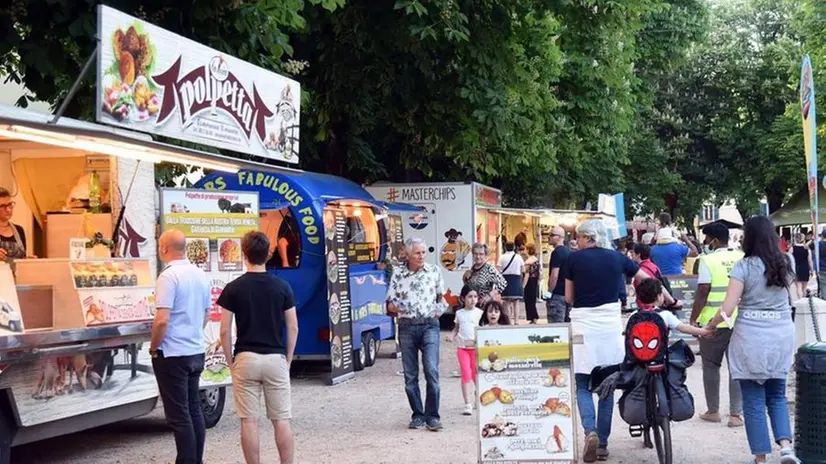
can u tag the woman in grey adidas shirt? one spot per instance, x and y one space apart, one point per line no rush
762 344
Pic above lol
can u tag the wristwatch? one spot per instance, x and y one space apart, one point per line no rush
153 353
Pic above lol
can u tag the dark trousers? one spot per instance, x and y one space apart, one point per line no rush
415 336
178 384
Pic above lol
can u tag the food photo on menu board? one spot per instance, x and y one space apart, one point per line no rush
525 395
197 252
229 254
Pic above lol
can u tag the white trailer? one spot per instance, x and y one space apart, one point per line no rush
456 215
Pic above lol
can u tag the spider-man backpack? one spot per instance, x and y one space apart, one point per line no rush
646 338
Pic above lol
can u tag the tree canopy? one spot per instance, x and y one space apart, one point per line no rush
674 102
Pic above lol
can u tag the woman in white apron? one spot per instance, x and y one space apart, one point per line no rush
592 287
12 236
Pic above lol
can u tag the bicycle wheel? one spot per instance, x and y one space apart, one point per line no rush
662 439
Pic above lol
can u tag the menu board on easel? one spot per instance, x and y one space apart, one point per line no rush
214 223
11 321
526 400
338 296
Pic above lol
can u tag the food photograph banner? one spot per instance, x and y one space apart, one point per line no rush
338 296
154 81
214 223
526 399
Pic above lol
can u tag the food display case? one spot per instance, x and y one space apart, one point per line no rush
88 293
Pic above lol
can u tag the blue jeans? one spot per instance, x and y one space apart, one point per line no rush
593 421
756 399
415 336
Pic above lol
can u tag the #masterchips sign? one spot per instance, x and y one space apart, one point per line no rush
154 81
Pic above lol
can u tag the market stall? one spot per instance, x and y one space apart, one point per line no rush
77 297
73 316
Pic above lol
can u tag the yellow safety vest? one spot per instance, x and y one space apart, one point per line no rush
719 264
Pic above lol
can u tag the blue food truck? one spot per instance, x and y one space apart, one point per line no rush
315 222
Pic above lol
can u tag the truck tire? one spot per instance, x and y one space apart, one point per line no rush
359 361
370 347
212 403
7 429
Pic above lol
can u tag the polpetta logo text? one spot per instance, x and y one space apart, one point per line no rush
211 88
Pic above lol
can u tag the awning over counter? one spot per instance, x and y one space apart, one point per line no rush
19 128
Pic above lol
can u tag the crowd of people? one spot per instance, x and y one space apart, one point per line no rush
585 288
756 276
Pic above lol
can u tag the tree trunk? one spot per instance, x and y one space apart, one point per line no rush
671 201
337 150
774 196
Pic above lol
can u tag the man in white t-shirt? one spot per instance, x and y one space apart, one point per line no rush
512 267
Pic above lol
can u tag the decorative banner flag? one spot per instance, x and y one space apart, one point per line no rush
614 207
807 106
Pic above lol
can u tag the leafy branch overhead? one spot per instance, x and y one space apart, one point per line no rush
674 102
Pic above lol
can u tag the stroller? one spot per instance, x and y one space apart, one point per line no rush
652 378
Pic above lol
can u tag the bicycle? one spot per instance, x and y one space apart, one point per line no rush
658 414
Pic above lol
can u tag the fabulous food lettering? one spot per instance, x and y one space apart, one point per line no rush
282 188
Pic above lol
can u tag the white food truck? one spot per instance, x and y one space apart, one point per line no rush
77 300
454 216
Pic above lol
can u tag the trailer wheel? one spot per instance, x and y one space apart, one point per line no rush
359 361
212 403
370 348
7 428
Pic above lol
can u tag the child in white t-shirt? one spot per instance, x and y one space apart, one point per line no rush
464 334
650 291
666 232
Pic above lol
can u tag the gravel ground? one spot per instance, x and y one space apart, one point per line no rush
364 421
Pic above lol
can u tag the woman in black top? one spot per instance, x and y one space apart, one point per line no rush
802 263
533 269
288 245
12 236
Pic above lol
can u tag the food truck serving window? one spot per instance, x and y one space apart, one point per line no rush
284 234
362 235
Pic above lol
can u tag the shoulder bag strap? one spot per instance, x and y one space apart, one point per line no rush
509 263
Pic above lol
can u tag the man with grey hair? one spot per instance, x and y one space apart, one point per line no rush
416 297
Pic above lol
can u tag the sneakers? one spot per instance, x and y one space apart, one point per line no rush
787 456
416 424
602 454
735 421
591 445
468 411
711 417
434 425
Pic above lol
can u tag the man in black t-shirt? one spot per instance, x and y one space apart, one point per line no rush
558 309
263 305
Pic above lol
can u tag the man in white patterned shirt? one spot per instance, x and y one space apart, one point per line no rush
416 296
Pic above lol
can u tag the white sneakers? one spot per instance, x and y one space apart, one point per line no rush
468 411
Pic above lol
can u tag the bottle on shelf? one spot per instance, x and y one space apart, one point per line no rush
94 193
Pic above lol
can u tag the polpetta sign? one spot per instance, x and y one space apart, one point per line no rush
154 81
